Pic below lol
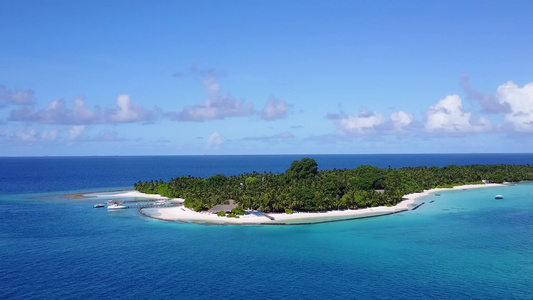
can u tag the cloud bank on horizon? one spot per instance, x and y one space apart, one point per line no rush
447 116
368 78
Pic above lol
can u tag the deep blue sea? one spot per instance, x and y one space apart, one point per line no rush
460 245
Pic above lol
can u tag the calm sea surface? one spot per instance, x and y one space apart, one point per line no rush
463 245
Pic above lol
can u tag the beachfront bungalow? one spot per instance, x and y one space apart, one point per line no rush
223 207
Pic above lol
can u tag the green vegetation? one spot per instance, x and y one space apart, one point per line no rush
288 211
221 214
303 188
232 215
237 211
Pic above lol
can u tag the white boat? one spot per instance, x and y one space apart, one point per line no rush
498 197
116 206
99 205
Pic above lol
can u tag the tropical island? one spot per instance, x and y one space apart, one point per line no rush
304 188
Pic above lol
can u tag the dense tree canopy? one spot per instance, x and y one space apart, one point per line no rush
303 188
305 168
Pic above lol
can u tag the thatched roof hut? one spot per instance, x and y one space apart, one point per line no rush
223 207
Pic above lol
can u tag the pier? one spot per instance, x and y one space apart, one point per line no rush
140 204
150 205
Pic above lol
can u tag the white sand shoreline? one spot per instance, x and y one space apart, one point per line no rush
183 214
128 194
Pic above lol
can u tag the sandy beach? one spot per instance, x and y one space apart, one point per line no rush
183 214
129 194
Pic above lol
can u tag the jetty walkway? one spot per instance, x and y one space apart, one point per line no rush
140 204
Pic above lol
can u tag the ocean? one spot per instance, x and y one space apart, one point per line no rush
459 245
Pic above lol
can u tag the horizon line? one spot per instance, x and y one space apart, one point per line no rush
278 154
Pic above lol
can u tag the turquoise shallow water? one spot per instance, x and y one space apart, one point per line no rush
464 245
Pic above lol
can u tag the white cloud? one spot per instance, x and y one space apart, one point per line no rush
520 102
18 97
211 86
26 135
81 112
214 140
401 120
129 112
448 116
219 106
274 109
31 135
75 132
57 112
216 107
365 122
368 122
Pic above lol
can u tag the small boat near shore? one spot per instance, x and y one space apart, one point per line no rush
99 205
116 206
498 197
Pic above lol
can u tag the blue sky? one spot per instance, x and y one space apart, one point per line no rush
265 77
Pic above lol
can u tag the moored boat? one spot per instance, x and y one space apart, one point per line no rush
99 205
116 206
498 197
